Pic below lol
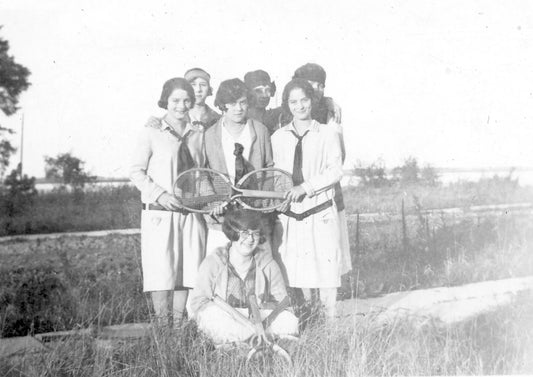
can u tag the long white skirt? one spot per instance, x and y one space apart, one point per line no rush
172 248
314 252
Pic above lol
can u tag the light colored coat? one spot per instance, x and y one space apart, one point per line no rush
311 250
172 244
213 279
154 161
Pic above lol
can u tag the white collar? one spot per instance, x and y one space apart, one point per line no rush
312 128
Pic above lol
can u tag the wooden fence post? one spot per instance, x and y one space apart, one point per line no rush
357 224
404 228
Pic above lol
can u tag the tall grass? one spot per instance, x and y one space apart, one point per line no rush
450 253
88 282
495 343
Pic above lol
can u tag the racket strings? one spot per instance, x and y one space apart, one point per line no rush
267 181
202 190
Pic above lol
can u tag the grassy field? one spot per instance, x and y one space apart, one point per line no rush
119 207
66 283
63 211
461 194
61 283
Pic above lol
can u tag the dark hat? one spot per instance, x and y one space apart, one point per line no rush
312 72
256 78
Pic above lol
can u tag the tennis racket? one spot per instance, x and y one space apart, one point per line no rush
201 190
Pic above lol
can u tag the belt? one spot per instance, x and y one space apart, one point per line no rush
309 212
159 207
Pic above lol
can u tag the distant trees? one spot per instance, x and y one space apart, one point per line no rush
6 150
67 170
16 191
13 81
373 175
409 173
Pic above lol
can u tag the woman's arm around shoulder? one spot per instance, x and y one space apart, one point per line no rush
263 135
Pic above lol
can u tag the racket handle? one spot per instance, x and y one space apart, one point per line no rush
262 194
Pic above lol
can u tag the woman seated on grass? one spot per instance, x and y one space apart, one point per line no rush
235 277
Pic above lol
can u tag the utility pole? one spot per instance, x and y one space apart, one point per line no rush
21 145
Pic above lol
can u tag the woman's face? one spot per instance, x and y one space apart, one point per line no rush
179 104
318 88
262 95
237 110
247 242
201 89
299 104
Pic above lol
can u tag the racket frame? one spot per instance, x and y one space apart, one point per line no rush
236 191
244 193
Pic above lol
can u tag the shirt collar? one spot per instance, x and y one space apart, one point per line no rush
312 128
189 127
247 129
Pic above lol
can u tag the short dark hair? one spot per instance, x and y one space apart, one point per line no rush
295 84
172 84
238 219
230 91
311 71
254 79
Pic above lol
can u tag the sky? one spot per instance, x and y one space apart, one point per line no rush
448 82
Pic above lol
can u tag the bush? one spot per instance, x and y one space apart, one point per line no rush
374 175
408 174
17 197
68 170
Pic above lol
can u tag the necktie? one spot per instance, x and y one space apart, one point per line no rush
185 160
297 175
240 169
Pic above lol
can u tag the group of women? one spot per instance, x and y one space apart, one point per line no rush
235 254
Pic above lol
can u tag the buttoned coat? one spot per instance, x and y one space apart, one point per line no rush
213 280
312 251
172 244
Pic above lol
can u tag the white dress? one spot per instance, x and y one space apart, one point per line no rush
311 250
172 244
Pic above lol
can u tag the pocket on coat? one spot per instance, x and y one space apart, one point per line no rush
328 215
153 219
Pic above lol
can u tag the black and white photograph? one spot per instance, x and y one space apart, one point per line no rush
282 188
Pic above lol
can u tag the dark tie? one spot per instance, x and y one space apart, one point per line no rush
240 169
185 160
297 175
